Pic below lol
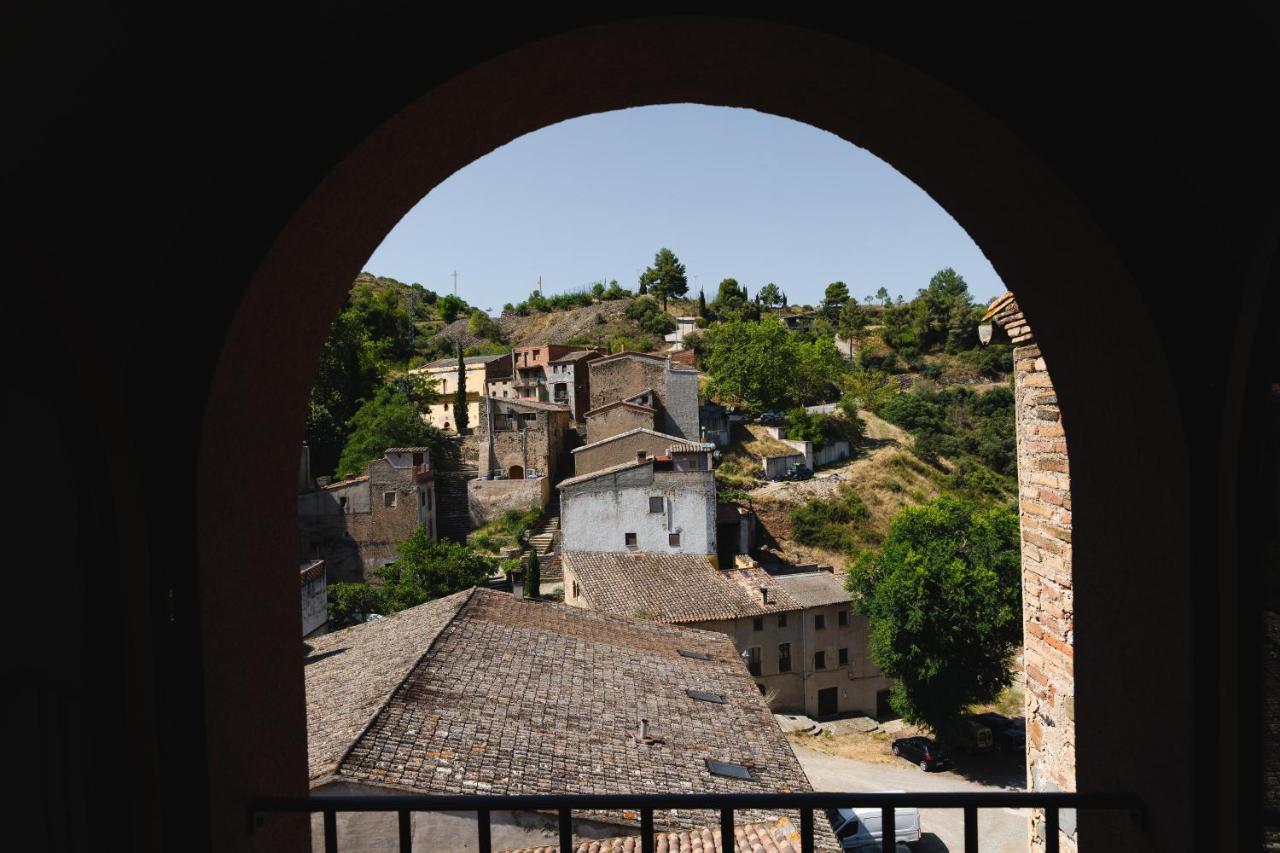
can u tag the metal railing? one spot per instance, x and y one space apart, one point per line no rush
563 805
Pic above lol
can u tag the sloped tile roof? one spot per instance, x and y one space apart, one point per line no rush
649 410
813 589
537 405
780 836
673 588
605 441
604 472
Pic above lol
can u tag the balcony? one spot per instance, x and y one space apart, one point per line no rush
563 805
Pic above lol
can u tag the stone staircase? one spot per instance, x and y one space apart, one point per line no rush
453 515
544 538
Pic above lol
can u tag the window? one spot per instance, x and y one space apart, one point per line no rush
388 498
657 504
843 618
753 660
844 657
577 591
819 660
819 622
422 497
782 620
784 657
343 504
631 540
757 624
673 539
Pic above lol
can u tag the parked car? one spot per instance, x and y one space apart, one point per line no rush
969 735
771 417
1007 735
862 830
922 751
798 471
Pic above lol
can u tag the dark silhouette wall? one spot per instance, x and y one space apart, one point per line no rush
190 201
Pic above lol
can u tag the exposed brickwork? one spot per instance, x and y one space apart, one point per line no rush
1044 511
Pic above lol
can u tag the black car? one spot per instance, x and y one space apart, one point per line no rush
1007 735
922 751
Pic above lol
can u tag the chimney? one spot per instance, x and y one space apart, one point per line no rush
764 595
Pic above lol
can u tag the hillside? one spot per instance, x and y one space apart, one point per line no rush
589 326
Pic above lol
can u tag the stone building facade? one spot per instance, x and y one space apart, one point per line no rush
804 647
357 525
618 417
1044 489
479 370
662 505
315 597
520 439
674 386
549 373
625 447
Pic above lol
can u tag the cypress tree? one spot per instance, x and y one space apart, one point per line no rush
460 418
532 575
702 304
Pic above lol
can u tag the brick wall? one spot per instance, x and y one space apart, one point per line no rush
1044 487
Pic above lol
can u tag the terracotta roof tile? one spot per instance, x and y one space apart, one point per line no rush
778 836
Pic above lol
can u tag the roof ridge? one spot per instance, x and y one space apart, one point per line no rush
355 741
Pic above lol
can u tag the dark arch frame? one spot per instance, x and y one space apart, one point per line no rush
1039 238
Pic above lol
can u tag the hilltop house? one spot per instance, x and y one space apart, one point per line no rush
479 372
482 693
672 385
519 445
356 525
796 630
665 504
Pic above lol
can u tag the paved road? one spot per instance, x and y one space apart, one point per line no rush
999 830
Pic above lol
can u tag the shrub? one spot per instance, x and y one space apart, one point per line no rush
830 523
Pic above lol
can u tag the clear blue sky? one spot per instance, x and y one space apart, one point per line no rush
734 193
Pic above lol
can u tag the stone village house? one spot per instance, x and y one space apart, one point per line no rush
795 629
482 693
479 371
549 373
356 526
519 446
673 384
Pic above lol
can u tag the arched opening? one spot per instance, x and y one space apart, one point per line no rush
1039 238
515 472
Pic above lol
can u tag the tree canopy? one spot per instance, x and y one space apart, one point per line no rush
769 296
426 570
834 298
761 365
391 418
665 278
943 597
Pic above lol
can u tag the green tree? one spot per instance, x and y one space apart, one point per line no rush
461 419
763 366
702 303
852 320
481 325
833 299
426 569
598 291
391 419
450 307
883 295
769 296
349 372
646 314
665 278
943 598
533 576
731 303
348 599
870 389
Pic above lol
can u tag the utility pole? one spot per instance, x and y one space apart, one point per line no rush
455 282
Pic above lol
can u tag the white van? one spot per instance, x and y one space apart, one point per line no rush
860 829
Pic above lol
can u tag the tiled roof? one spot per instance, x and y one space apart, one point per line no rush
691 447
673 588
576 355
777 836
310 570
619 356
813 589
347 482
350 673
484 693
604 472
605 441
408 450
537 405
648 410
453 362
997 305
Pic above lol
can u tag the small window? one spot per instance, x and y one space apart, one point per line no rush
757 624
844 657
422 499
657 504
819 622
782 620
703 696
843 618
753 660
577 591
388 498
673 539
819 660
631 540
731 771
784 657
344 504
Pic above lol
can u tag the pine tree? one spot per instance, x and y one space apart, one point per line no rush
460 418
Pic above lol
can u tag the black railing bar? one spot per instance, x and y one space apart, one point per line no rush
406 837
888 829
1051 830
711 802
566 830
970 829
646 831
726 831
806 831
330 831
485 833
